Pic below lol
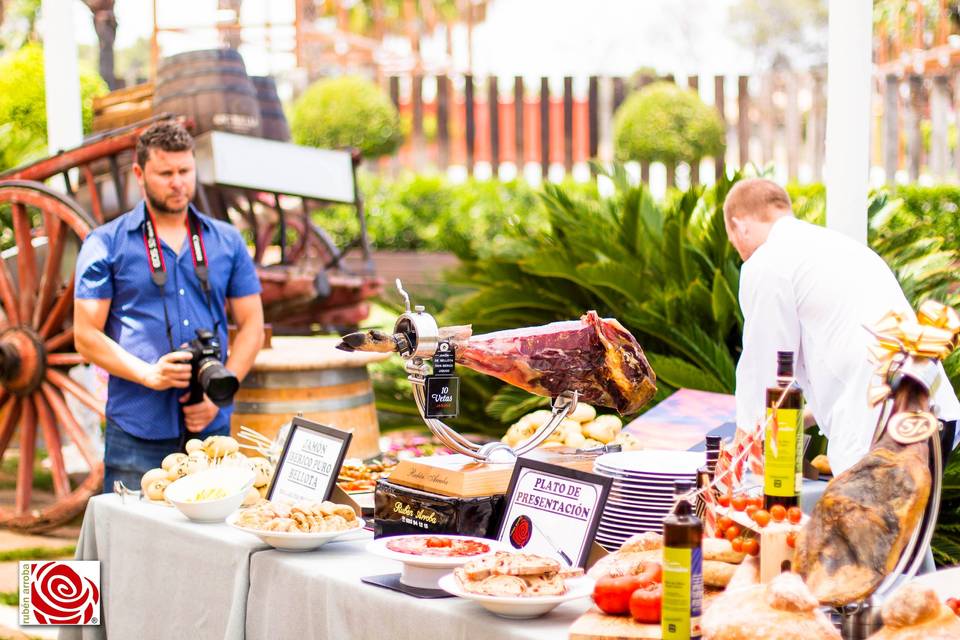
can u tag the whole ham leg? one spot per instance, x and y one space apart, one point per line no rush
596 357
866 516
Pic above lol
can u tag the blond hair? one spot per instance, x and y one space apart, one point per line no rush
757 197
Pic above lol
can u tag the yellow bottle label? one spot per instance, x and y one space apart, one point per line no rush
682 593
783 468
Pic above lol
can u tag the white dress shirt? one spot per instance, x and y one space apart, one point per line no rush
811 290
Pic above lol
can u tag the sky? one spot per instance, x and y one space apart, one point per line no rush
519 37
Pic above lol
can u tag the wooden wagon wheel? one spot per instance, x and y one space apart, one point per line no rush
36 348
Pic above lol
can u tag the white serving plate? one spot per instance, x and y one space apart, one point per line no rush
664 483
424 572
518 607
663 462
638 511
235 480
945 582
630 529
294 541
619 520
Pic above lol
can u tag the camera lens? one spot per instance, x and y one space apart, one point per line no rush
217 382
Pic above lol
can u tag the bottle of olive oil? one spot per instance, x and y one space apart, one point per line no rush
706 472
783 468
682 571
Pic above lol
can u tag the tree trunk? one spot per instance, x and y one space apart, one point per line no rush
105 24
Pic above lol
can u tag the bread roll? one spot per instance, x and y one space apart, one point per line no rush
603 429
721 550
628 441
582 413
151 477
172 460
783 609
914 612
252 497
717 574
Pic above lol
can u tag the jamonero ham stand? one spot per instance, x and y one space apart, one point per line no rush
422 340
861 619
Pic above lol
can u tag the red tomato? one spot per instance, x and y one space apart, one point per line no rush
739 502
757 500
731 532
645 603
439 542
761 517
792 539
954 604
751 546
649 572
719 533
737 544
724 499
723 522
778 512
612 593
750 510
794 515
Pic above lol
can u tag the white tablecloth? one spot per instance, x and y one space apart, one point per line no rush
319 595
162 576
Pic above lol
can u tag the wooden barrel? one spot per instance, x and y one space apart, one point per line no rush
308 376
273 122
211 87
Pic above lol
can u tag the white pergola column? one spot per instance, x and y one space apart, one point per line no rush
61 76
849 70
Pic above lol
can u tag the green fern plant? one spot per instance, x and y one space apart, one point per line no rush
666 271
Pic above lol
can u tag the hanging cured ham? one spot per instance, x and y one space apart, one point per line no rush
596 357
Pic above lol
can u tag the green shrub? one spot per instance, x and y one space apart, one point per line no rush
430 213
346 112
22 92
666 123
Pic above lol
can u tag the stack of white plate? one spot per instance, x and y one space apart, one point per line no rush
642 492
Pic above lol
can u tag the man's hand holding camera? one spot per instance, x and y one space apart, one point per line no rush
198 416
172 370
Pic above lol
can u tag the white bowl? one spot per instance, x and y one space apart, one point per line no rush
520 607
294 540
235 481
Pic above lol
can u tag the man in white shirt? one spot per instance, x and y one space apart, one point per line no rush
811 290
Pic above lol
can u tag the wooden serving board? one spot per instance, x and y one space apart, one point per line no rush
596 625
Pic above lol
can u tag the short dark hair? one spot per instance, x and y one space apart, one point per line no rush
167 136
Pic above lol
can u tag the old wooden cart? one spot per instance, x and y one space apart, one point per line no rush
269 189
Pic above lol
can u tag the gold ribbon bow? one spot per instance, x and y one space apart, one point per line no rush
934 334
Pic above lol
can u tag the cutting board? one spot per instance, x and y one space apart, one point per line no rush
596 625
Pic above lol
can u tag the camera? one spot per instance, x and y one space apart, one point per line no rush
208 375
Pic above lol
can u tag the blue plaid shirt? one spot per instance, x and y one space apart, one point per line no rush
113 264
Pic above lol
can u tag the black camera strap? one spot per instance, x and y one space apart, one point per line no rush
158 267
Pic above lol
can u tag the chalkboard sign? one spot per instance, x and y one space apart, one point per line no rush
310 462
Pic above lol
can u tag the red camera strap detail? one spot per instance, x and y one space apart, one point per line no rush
158 266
